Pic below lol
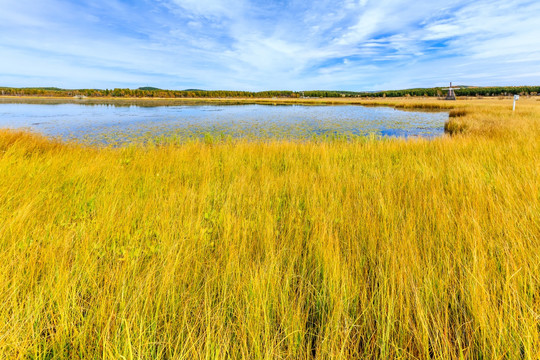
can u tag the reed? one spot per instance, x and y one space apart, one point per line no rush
371 248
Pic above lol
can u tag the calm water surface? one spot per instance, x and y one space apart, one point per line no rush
112 125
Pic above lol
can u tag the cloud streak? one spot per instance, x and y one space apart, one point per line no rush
258 45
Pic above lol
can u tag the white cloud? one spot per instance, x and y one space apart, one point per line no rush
241 44
210 8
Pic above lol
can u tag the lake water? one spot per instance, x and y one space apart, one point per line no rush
115 125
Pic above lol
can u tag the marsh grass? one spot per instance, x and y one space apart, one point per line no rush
370 248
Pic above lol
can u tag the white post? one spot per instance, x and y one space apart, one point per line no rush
516 98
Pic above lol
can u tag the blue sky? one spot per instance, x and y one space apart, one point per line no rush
274 44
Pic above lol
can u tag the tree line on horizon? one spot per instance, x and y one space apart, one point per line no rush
150 92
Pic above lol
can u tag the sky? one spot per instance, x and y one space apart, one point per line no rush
256 45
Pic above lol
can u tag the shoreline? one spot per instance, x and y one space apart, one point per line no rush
419 103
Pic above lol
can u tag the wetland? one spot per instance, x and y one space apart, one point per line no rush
110 125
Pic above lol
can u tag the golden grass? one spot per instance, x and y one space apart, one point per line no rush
249 250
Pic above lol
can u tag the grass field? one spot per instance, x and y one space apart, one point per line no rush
373 248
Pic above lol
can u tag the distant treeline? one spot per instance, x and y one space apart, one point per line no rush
143 92
149 92
462 91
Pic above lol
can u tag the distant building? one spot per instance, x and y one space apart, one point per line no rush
451 94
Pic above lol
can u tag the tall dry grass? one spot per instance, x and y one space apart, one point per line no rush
247 250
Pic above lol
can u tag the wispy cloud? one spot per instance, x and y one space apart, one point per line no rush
256 45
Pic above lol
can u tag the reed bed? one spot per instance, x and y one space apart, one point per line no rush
370 248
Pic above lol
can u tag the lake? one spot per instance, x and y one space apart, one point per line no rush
119 125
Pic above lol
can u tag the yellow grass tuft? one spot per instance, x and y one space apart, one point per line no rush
248 250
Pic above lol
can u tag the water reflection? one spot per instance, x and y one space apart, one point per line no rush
113 125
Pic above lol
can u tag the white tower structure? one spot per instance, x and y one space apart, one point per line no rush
451 94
